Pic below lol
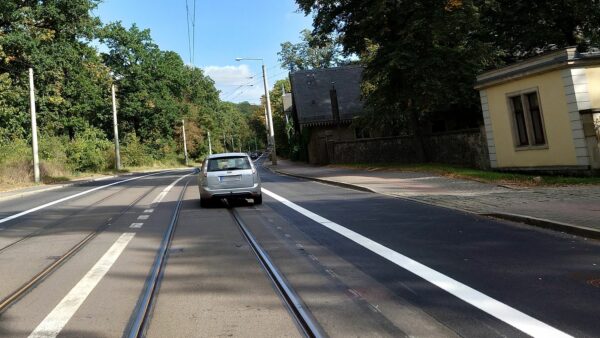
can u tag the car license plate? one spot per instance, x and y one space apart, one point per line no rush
230 178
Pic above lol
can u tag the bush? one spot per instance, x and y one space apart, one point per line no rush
87 151
134 153
16 165
54 163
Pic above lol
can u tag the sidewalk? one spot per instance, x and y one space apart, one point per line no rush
573 209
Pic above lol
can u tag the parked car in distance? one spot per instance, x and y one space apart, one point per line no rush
228 175
254 155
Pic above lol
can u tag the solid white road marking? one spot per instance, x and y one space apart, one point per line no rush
56 320
136 225
163 193
6 219
142 217
505 313
149 211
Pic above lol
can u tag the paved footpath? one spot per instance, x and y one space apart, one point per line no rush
569 208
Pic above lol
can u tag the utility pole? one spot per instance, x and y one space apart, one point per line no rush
209 144
232 144
184 142
267 125
270 116
271 133
116 130
34 140
255 144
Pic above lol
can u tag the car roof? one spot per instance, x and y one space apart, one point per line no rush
227 155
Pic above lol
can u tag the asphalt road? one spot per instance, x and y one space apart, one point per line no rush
362 264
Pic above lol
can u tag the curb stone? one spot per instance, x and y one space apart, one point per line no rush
547 224
537 222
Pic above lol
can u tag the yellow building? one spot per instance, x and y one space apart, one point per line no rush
544 113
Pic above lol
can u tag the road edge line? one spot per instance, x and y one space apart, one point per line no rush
483 302
66 198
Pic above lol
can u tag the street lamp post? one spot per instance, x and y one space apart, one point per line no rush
269 115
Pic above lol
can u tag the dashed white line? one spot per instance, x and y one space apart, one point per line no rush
149 211
143 217
163 193
56 320
503 312
136 225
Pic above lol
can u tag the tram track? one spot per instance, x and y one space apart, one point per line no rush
14 296
143 311
305 322
60 221
303 318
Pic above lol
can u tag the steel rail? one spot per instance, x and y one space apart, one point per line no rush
143 311
73 214
13 297
303 318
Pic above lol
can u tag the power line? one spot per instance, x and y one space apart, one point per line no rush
187 20
194 34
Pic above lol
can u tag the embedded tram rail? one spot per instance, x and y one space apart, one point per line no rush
303 318
14 296
305 322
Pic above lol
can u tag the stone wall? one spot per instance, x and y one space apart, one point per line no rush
465 148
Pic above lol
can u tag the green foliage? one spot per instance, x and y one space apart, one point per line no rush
421 57
134 153
155 90
87 150
288 144
520 29
313 51
15 168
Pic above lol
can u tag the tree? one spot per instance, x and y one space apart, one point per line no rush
422 57
419 56
311 52
155 89
53 38
521 29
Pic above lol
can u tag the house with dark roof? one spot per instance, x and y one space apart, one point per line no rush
324 104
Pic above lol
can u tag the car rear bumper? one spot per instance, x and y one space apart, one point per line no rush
206 192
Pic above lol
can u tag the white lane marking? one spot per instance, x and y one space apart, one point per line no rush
136 225
56 320
505 313
6 219
163 193
143 217
149 211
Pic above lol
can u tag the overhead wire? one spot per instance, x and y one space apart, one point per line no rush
187 20
194 34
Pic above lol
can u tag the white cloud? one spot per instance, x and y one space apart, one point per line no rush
236 83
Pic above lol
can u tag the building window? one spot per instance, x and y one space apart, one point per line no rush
528 122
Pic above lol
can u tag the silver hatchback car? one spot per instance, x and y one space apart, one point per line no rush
228 175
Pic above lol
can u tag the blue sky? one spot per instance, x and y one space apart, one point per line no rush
225 29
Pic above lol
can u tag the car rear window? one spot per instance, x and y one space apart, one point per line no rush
228 163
